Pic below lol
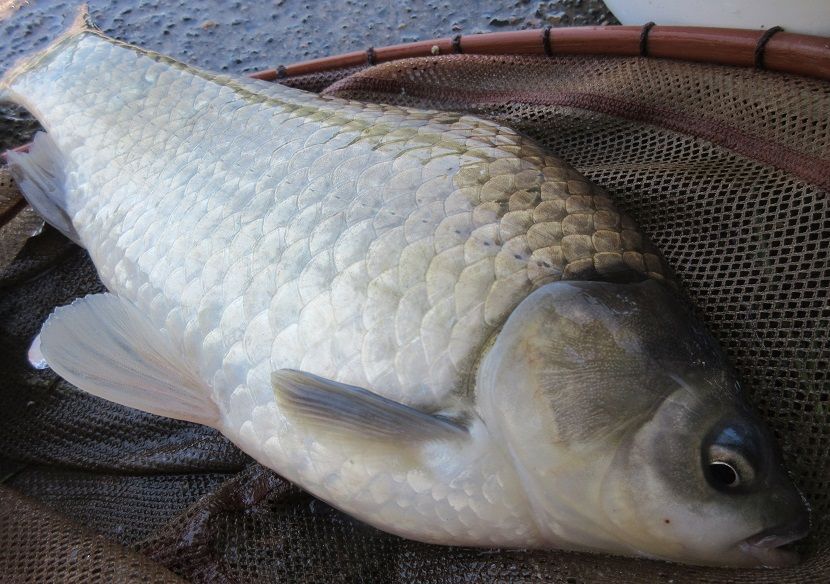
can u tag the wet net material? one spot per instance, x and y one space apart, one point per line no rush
726 169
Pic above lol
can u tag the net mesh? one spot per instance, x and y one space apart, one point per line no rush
726 169
64 552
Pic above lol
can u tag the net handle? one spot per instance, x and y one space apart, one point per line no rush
784 52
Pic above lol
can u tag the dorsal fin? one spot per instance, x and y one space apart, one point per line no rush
107 347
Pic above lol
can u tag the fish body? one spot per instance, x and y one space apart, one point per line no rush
374 302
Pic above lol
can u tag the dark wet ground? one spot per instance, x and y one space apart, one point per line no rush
249 36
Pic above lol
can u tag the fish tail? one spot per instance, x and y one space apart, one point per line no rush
40 172
40 175
80 25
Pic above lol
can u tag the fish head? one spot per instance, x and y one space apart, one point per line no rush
706 486
702 483
629 432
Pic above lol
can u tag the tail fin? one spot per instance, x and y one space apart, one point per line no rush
41 177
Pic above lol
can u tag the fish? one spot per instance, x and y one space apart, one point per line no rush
423 318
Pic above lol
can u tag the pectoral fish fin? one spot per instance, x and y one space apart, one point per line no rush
355 412
40 175
107 347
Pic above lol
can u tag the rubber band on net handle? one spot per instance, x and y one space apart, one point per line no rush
762 45
644 38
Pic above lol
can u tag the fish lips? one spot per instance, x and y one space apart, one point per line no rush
765 546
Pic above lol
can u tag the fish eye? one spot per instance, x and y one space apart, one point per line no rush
724 474
728 471
731 456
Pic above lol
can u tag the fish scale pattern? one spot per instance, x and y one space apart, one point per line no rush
263 228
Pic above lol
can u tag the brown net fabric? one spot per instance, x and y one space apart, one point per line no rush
726 169
64 552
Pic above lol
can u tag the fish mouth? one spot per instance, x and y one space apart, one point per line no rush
766 545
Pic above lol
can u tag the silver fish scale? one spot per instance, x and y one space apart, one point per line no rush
265 228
